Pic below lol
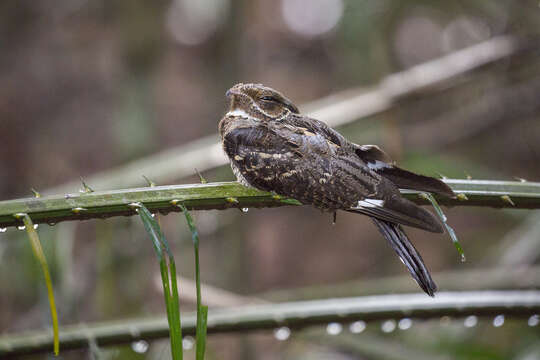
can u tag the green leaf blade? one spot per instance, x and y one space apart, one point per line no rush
202 311
202 321
443 218
40 256
168 279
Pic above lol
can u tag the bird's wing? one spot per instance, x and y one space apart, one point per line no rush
380 162
299 164
318 127
376 159
309 167
388 204
396 209
384 202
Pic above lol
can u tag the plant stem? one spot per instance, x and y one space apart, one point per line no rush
104 204
295 315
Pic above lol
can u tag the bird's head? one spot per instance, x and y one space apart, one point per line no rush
259 101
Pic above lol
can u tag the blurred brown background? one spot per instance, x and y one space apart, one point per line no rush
89 85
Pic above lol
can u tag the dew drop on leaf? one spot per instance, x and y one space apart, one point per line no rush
534 320
140 346
282 333
357 327
334 328
405 324
470 321
388 326
498 321
187 342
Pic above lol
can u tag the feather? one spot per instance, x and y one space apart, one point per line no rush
371 153
401 211
378 161
408 254
408 180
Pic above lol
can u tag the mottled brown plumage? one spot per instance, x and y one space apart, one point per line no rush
274 148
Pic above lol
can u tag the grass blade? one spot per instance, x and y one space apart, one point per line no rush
175 308
40 256
202 321
202 311
168 278
443 218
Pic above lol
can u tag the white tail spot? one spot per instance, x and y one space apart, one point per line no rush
370 203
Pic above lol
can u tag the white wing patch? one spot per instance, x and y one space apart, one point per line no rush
370 203
378 165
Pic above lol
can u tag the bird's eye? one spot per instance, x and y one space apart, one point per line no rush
269 98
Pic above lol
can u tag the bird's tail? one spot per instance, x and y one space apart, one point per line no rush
407 253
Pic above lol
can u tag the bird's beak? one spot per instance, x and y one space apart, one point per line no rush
231 92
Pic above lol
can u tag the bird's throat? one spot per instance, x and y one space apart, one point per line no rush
238 112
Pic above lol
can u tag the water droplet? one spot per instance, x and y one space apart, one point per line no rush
2 230
22 227
282 333
140 346
404 324
245 210
334 328
134 205
36 226
498 321
187 342
470 321
534 320
153 215
357 327
388 326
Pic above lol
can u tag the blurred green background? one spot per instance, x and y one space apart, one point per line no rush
89 85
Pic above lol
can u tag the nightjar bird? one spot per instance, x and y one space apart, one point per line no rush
272 147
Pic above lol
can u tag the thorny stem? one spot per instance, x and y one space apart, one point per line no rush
295 315
104 204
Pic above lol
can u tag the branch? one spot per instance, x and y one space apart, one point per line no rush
295 315
336 110
53 209
500 277
104 204
495 105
